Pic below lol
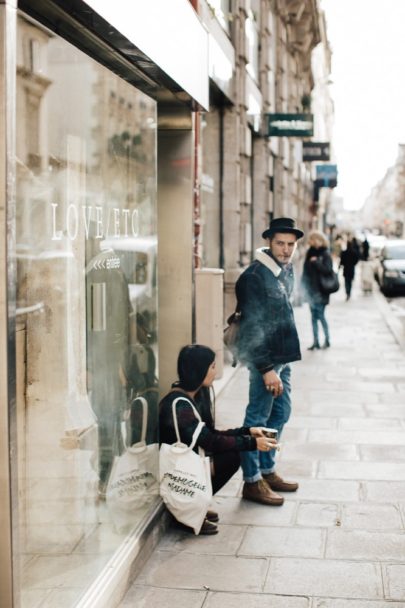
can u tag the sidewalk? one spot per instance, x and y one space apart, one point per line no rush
339 542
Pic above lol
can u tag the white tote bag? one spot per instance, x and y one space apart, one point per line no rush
133 482
185 477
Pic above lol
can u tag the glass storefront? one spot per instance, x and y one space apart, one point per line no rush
86 330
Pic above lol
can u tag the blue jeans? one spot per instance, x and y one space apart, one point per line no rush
264 410
318 314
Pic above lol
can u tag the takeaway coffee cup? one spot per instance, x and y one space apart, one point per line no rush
272 433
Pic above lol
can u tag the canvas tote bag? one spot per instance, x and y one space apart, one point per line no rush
133 483
185 477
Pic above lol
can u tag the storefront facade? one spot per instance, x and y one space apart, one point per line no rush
96 164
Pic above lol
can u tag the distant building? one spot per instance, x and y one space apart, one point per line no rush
384 208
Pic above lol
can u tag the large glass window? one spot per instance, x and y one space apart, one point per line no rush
252 32
86 315
222 11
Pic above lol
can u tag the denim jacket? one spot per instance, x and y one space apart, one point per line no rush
268 336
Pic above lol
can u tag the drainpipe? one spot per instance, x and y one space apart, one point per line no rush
196 177
221 188
196 191
252 200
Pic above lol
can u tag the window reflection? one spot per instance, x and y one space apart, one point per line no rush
86 312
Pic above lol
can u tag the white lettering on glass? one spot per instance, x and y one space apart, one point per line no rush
123 222
135 222
72 218
125 213
86 219
116 221
99 222
56 235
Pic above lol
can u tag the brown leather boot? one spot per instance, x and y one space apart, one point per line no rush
275 482
259 491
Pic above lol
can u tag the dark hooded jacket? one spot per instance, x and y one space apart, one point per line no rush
323 265
268 335
348 259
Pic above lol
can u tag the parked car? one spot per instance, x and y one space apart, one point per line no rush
376 242
391 267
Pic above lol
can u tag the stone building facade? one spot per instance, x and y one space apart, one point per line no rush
384 208
278 60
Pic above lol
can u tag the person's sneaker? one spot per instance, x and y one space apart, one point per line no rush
212 516
259 491
208 528
314 346
275 482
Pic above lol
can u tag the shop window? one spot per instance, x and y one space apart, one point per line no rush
252 33
86 313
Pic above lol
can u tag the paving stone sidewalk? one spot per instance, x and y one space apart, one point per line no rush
339 542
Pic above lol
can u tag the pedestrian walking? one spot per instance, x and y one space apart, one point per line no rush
196 373
318 261
348 260
365 249
268 343
337 246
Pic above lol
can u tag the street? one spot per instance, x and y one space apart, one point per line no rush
339 541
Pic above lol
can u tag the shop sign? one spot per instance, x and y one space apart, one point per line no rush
290 125
111 222
326 176
314 150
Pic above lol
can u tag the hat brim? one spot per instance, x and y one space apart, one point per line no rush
267 233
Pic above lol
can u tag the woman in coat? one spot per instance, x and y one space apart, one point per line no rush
348 259
317 261
196 372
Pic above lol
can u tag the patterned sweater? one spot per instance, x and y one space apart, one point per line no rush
210 439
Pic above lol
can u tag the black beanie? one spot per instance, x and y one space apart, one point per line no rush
192 365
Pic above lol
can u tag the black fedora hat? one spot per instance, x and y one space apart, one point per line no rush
282 224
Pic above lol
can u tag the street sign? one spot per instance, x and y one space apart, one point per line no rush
290 125
326 176
314 150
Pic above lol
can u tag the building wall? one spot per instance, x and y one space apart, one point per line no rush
384 209
263 177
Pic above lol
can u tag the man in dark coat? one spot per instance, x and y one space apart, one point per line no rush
348 259
268 342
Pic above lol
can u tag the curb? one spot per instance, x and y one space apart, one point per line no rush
395 322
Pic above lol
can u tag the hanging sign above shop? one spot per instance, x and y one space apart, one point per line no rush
326 176
290 125
314 150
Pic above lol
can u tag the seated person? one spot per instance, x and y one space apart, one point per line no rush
196 372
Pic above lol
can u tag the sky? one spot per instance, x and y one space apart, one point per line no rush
367 38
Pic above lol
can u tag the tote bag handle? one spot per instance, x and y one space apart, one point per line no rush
198 429
139 447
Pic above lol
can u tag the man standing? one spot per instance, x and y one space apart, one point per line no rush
268 342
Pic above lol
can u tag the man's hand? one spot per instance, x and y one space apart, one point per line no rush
265 444
273 383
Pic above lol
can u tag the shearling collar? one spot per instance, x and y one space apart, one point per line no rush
262 257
